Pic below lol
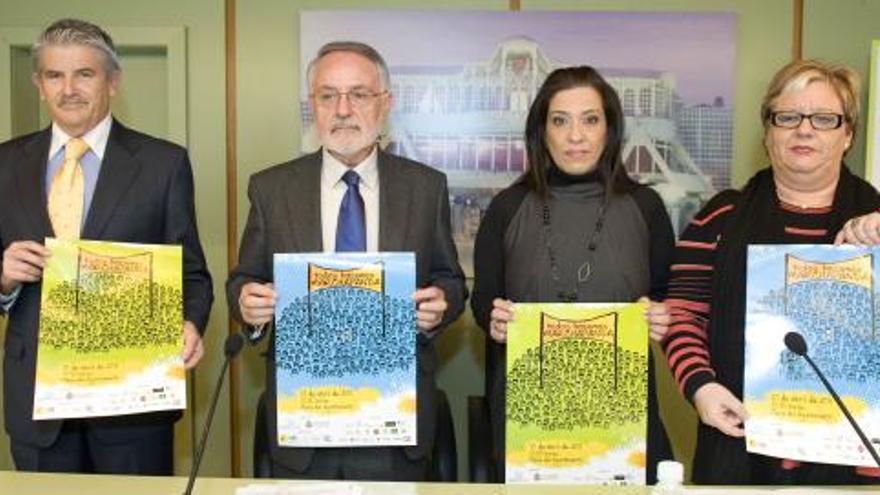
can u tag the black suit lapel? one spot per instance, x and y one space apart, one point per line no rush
304 206
119 169
32 182
394 205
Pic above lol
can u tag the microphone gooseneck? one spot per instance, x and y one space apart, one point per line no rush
233 345
795 342
231 348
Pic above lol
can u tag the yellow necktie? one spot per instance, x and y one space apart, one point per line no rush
66 192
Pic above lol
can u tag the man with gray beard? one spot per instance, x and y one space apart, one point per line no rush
351 196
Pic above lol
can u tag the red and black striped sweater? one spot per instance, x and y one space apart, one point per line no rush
689 295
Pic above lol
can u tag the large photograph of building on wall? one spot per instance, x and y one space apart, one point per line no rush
462 83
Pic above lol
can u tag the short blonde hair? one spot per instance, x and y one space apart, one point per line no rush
798 74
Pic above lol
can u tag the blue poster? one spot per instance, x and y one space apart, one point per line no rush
828 294
345 349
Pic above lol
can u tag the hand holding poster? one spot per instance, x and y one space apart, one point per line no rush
110 330
345 337
577 378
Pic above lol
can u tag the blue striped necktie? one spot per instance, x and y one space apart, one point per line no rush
351 232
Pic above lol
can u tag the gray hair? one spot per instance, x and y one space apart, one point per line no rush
356 47
77 32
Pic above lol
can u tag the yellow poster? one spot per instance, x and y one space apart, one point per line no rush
110 330
576 393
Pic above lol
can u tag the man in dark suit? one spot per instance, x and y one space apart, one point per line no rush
306 205
129 187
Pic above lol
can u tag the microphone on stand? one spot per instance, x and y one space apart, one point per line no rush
232 347
796 344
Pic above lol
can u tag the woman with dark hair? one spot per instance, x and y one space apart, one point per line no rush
573 228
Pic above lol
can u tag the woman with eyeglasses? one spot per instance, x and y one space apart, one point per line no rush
807 196
573 228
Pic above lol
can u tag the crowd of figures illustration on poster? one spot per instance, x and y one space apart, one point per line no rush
110 330
345 349
576 393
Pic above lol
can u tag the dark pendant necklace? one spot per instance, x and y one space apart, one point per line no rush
585 270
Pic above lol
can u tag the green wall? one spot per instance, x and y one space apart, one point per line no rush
268 133
842 31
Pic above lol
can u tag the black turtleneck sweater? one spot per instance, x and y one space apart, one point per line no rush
632 256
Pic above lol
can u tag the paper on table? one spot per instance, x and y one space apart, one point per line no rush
300 488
